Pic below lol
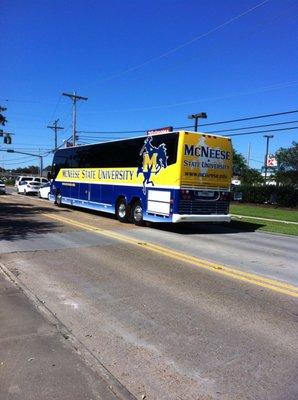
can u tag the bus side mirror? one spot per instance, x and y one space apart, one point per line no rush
49 176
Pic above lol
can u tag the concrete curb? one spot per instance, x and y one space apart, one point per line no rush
264 219
91 359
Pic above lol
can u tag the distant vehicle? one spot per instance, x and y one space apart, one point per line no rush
30 178
2 187
167 177
44 191
22 179
41 180
29 187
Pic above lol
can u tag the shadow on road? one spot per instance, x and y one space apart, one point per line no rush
197 228
17 221
194 228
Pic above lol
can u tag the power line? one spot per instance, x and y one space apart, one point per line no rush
55 108
270 130
262 89
86 138
19 162
181 46
255 126
17 159
247 118
190 126
91 140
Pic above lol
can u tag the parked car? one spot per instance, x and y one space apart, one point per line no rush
44 191
41 180
2 187
30 178
29 187
23 179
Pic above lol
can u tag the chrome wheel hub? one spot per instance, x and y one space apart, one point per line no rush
122 210
138 213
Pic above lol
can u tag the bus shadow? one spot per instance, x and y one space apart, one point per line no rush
189 228
194 228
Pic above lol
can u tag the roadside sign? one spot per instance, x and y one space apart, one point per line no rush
158 131
271 161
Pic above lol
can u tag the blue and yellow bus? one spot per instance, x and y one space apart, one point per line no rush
172 177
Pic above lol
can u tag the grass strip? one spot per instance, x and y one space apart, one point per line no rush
264 212
266 226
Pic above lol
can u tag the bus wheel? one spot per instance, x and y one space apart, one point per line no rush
121 211
137 214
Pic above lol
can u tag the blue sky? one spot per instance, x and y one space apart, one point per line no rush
144 65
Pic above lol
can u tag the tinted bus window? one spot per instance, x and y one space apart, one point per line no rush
121 154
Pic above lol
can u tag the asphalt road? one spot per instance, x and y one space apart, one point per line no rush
179 312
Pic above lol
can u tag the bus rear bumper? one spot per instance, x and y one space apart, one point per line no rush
201 218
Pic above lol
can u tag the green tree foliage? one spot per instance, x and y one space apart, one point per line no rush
32 169
287 161
248 176
239 163
3 119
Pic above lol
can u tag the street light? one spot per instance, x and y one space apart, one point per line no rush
202 115
268 137
28 154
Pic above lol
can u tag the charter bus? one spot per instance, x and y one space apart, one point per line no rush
173 177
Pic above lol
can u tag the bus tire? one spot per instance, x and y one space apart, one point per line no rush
137 213
122 210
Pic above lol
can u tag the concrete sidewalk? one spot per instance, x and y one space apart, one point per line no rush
36 361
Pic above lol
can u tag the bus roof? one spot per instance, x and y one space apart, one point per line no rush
144 136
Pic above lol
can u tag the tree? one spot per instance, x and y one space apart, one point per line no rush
32 169
287 164
239 163
248 176
3 119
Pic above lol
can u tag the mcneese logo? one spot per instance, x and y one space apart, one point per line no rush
206 151
149 163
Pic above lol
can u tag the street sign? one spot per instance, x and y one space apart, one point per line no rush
271 161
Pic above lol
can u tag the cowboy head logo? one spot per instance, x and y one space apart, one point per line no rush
154 159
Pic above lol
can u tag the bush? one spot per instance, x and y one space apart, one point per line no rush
284 196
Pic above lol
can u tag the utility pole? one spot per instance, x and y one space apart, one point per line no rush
74 97
268 137
55 128
248 155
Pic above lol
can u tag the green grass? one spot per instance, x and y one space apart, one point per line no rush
264 212
262 225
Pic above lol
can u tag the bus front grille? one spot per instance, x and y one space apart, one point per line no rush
203 207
